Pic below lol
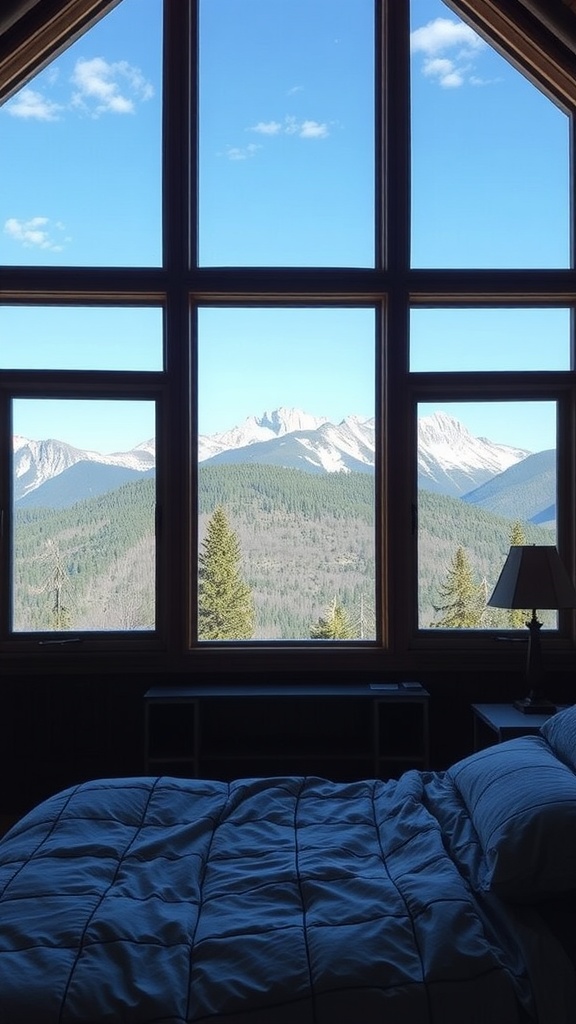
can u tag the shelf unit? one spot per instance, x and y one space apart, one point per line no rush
340 732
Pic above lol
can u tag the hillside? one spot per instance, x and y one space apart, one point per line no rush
444 523
305 540
96 558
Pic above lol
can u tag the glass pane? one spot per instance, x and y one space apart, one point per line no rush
489 339
490 154
80 338
287 133
486 480
81 150
286 475
84 515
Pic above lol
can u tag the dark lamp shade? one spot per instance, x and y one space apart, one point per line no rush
533 576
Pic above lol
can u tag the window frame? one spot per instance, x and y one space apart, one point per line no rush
180 285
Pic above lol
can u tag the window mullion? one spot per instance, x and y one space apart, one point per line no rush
396 135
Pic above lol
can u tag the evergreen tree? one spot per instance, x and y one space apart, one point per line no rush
461 597
55 584
225 604
336 625
517 618
60 614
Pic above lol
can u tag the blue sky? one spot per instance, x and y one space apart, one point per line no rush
286 121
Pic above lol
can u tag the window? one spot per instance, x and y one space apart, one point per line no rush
83 518
294 465
286 326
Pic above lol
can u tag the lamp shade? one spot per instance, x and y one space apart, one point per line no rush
533 576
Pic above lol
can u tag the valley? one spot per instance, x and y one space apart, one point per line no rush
299 494
305 540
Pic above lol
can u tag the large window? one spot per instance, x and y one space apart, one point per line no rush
286 328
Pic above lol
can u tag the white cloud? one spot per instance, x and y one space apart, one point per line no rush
313 130
267 128
450 49
292 126
102 87
36 233
443 34
32 105
307 129
445 71
241 152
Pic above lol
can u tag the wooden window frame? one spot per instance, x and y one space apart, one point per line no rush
393 286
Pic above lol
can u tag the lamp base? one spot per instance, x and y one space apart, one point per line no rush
535 706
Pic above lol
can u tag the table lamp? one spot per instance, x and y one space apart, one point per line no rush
533 576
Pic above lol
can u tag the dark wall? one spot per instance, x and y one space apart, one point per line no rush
57 731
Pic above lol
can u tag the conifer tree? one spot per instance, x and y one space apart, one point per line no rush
60 614
336 625
517 618
461 597
225 603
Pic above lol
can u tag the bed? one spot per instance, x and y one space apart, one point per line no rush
440 898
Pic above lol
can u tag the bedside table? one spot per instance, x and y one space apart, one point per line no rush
495 723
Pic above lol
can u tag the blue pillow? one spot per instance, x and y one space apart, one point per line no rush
522 802
560 732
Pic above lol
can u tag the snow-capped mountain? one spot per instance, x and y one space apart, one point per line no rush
256 429
450 459
38 463
294 439
453 461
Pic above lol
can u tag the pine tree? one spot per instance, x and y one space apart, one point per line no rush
461 597
336 625
60 614
225 603
517 618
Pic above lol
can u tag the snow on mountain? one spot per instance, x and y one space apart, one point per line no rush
450 459
453 461
37 462
350 442
283 439
255 429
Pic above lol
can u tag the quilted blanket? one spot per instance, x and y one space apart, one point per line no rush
263 901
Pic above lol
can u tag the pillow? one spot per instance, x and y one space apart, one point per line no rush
522 802
560 732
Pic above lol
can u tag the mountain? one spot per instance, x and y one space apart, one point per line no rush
523 491
290 439
48 469
255 429
82 480
452 461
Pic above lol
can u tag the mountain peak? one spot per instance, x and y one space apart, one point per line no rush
453 461
285 421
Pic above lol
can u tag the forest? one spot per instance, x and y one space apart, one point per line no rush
306 541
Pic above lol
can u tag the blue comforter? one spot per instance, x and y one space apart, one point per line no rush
264 901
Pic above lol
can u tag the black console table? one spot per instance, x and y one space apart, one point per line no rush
372 730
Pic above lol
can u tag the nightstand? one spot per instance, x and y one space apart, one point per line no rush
495 723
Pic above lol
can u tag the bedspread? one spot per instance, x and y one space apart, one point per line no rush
263 901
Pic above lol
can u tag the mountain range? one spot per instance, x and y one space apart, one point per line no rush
451 461
55 474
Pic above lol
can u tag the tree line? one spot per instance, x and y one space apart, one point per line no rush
305 543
